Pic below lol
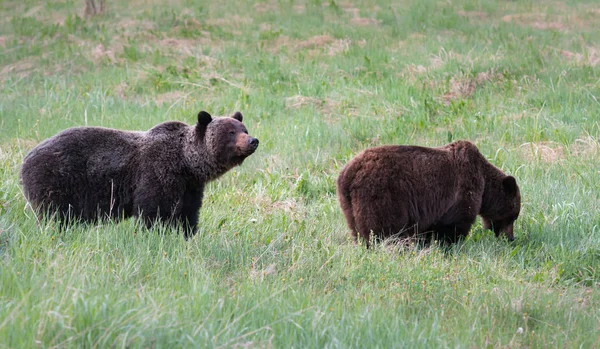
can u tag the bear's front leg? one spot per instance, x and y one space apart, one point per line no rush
192 201
166 212
159 202
452 233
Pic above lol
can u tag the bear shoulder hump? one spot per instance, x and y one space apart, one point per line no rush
169 127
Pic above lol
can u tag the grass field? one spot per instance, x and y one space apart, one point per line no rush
317 81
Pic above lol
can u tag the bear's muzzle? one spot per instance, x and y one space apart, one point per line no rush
253 142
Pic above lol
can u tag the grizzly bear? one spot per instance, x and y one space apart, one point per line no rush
426 193
93 173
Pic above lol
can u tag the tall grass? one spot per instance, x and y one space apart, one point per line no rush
317 81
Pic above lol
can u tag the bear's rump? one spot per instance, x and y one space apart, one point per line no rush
68 175
390 194
392 212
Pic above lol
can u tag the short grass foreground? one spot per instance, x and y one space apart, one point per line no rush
317 81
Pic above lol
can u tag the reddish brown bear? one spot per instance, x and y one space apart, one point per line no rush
429 193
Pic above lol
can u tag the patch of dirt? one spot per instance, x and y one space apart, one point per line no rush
267 206
462 86
256 274
490 75
356 18
2 41
234 21
465 86
327 43
542 15
325 106
443 57
586 146
339 46
100 53
185 45
175 43
350 8
549 152
290 207
411 71
364 22
540 21
315 45
317 41
19 69
299 9
264 7
589 58
97 52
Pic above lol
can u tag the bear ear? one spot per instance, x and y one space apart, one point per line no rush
238 116
204 118
509 183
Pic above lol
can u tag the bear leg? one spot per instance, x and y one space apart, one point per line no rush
192 201
159 203
452 233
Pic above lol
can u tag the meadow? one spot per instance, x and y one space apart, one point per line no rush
273 265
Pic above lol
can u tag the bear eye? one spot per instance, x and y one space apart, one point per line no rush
232 132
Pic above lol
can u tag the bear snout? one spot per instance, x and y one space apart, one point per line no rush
246 145
253 142
509 232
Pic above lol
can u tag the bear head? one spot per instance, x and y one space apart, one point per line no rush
226 138
504 210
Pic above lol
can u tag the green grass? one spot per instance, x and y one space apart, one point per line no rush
317 81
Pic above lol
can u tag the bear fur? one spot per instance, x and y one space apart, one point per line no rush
93 173
427 193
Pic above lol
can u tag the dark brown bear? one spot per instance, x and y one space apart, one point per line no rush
429 193
92 173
